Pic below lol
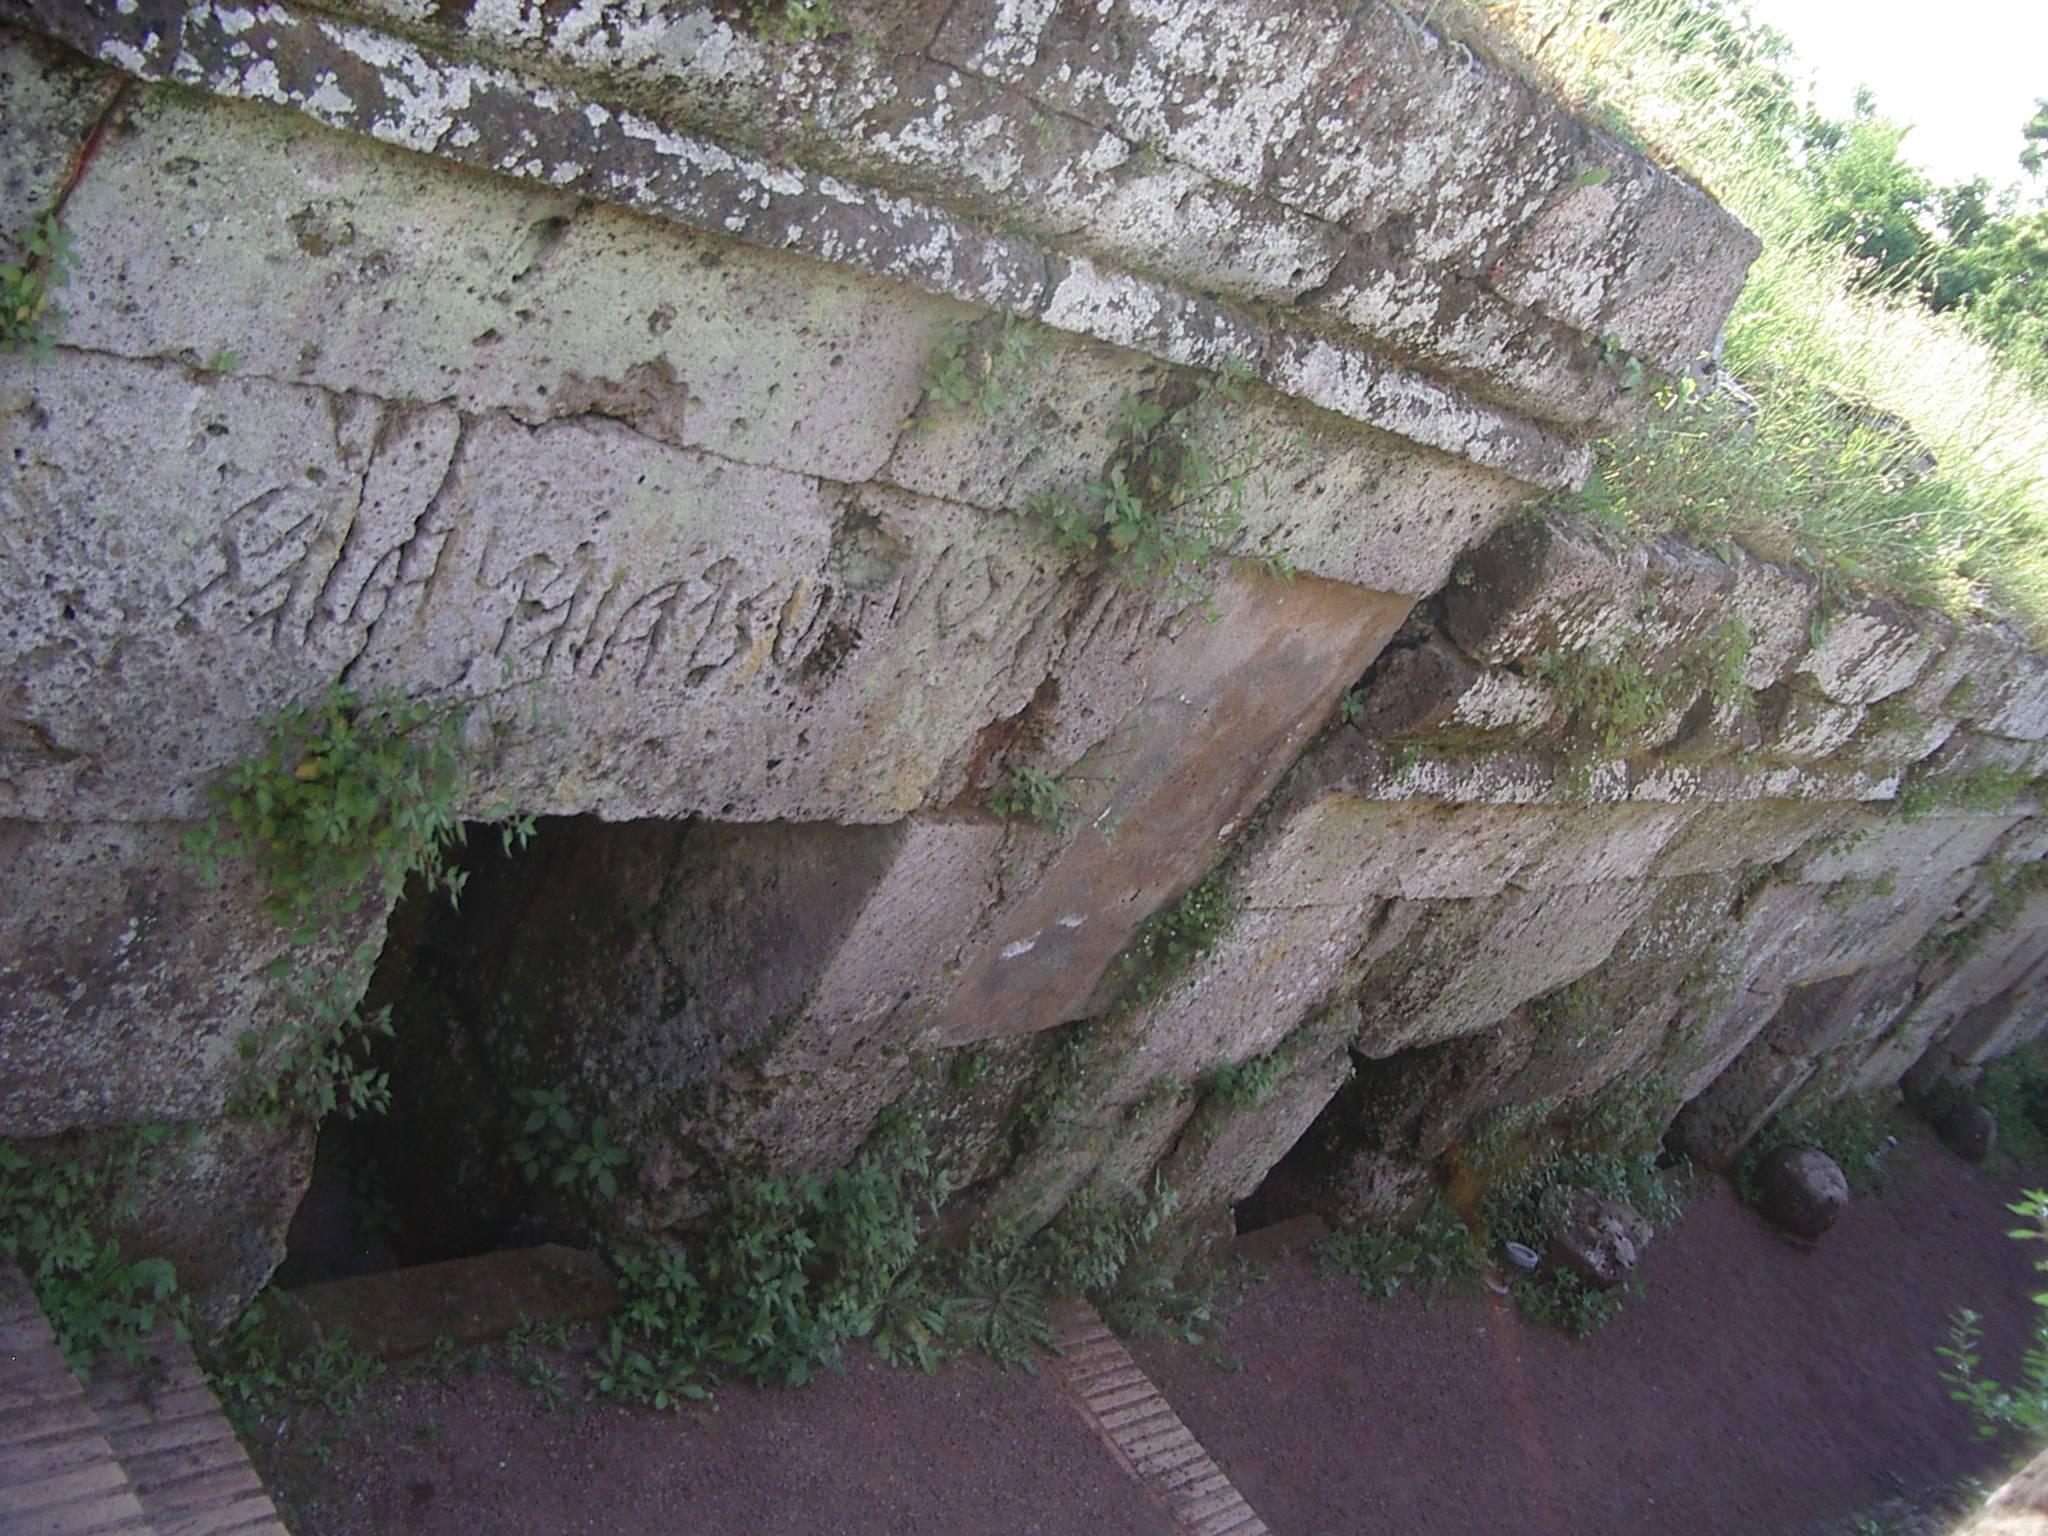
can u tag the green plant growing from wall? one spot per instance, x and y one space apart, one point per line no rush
1034 795
555 1145
1170 508
1243 1084
1169 943
984 370
1851 891
30 320
1984 791
348 798
1617 699
793 21
58 1221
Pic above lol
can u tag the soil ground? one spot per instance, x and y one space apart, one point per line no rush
1760 1387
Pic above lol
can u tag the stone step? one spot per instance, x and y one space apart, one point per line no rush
1116 1397
59 1475
188 1469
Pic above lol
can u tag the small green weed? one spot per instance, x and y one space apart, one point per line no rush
1850 892
1435 1257
1556 1298
983 370
1168 943
57 1221
1169 509
1985 791
1616 700
1001 1300
652 1350
554 1145
30 320
348 798
1998 1408
1243 1084
260 1378
1036 796
794 21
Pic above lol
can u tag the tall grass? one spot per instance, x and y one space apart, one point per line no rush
1813 472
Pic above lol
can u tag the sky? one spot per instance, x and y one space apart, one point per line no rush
1965 73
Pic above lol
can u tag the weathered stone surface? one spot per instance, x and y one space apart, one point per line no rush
1968 755
1801 1190
217 1204
1799 725
1722 837
1229 705
1845 1010
1869 844
1873 648
1596 1239
1716 1125
1540 585
1370 1188
53 100
320 259
497 119
1218 1162
1603 843
1338 849
1988 677
1465 965
1778 604
125 982
1612 1023
1291 120
175 580
597 384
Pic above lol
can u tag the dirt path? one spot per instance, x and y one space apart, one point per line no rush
1760 1388
968 1452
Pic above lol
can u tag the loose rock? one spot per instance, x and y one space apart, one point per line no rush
1969 1130
1597 1239
1801 1189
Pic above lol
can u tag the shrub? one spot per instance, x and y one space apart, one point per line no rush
1995 1406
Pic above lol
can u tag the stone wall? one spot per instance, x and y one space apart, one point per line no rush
502 352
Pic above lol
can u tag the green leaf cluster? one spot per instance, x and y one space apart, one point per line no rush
58 1221
1997 1407
348 798
1170 507
981 369
263 1373
30 320
1168 943
553 1144
1036 796
1436 1256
